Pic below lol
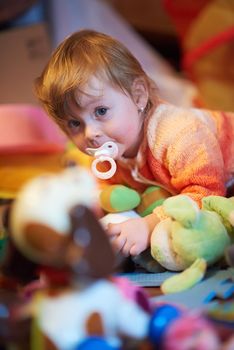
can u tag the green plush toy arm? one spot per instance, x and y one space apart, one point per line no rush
224 207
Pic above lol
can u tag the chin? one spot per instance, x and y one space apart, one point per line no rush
130 153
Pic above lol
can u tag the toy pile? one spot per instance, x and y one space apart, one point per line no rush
58 287
190 239
58 284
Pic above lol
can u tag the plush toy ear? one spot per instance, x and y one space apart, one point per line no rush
182 209
97 260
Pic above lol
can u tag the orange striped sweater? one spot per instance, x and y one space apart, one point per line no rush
187 151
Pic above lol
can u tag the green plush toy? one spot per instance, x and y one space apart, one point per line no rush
151 198
119 198
191 236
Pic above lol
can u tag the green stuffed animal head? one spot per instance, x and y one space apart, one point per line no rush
190 233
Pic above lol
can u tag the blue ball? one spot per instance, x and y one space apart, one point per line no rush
162 317
96 343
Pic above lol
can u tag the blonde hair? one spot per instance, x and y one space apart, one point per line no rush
76 59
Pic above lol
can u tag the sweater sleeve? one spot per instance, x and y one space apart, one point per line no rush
195 163
192 159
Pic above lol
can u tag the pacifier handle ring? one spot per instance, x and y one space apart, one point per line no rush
105 174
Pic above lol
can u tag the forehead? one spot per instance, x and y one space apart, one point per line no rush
92 90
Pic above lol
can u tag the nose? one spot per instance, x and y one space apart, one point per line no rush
92 134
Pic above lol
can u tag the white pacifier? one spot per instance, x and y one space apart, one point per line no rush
106 153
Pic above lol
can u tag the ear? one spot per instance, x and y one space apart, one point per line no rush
140 93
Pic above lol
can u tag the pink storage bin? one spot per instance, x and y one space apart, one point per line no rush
26 128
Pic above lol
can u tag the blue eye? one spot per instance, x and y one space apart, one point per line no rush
101 111
73 124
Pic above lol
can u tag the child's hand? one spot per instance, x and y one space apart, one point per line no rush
130 237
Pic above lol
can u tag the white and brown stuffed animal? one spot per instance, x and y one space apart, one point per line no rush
52 223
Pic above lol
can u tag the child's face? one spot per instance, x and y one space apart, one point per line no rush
105 113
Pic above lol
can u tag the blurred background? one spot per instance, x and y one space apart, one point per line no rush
187 48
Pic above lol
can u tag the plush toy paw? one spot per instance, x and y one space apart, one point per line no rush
151 198
119 198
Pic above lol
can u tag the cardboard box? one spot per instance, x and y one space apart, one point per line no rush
24 52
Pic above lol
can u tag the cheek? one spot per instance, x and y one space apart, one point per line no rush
79 141
117 132
123 125
129 129
124 135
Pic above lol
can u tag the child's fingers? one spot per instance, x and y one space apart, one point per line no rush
135 250
113 229
118 243
126 249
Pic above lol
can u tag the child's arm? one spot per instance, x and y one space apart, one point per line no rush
191 156
131 237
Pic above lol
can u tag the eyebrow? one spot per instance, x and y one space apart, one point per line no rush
91 100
